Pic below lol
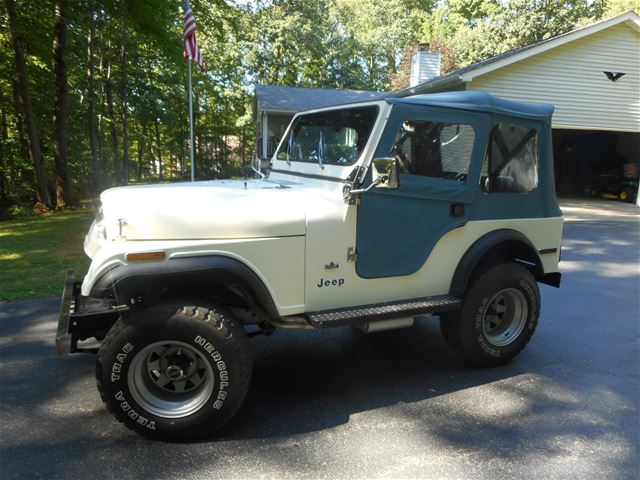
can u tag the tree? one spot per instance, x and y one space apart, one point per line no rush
24 94
616 7
64 193
521 22
96 175
125 105
111 116
380 31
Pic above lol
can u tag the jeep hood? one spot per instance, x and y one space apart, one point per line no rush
219 209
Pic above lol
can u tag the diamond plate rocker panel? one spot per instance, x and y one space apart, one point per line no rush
383 311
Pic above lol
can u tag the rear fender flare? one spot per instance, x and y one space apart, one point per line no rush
507 243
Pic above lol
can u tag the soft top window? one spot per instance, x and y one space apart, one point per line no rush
511 162
335 137
435 149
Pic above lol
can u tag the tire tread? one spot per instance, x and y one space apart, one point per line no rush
217 317
453 323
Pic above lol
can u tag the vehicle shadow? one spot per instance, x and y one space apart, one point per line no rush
310 381
304 383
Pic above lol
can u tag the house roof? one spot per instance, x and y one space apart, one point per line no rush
458 78
479 101
273 98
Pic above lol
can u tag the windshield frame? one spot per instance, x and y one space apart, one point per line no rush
330 171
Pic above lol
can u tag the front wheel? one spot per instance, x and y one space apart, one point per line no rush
174 373
499 314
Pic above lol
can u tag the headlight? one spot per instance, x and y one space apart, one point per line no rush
100 226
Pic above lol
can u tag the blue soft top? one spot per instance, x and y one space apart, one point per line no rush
479 101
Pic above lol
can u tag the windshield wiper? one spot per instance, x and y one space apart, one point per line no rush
260 174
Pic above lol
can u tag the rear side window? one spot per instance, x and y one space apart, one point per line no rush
511 162
435 149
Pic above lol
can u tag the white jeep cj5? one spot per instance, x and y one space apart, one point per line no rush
372 214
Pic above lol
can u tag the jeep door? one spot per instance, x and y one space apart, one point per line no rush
440 155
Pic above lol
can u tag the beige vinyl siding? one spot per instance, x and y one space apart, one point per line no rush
571 77
424 66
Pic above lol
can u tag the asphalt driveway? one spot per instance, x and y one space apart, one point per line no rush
341 404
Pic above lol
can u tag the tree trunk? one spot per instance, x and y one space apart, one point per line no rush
19 125
64 192
23 149
183 156
33 136
391 62
140 155
152 155
159 149
125 132
196 131
4 164
108 90
101 113
372 67
95 164
244 139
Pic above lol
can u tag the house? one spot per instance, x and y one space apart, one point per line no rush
591 75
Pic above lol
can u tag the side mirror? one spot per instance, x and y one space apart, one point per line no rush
385 173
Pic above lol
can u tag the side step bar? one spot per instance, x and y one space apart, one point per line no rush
383 311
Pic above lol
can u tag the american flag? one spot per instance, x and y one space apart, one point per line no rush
191 48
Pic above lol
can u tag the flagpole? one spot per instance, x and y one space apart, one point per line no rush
193 179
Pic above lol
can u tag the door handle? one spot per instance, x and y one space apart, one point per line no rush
457 210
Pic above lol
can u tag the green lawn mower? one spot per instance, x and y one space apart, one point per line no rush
619 184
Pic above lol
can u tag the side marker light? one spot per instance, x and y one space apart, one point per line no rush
134 257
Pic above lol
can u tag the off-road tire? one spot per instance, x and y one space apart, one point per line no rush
467 330
210 337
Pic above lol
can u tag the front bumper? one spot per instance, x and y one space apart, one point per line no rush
67 307
82 317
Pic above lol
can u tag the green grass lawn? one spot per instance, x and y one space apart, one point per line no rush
36 252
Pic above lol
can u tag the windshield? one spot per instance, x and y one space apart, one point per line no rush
335 137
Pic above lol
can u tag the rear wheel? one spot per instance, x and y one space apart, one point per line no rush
499 314
174 373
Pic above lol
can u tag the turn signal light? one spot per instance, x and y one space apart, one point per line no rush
133 257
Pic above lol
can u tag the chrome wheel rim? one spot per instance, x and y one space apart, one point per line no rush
170 379
504 317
